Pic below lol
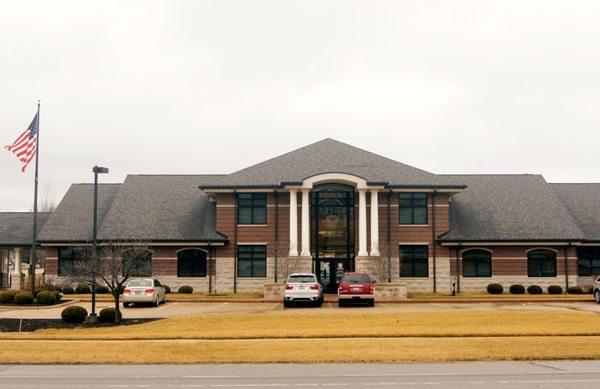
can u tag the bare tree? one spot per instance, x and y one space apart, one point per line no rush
112 266
47 201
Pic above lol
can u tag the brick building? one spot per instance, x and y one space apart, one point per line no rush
330 207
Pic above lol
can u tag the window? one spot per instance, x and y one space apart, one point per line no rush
477 263
252 261
191 263
414 261
412 208
541 263
138 263
67 257
252 208
588 261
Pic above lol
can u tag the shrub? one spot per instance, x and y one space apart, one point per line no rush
46 297
23 298
517 289
535 289
101 289
495 289
555 289
74 315
185 289
7 296
107 315
167 289
68 290
83 289
58 296
50 287
575 290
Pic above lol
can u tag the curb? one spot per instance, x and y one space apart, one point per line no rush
37 307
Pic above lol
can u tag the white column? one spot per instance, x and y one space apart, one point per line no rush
305 224
293 223
18 270
374 224
362 223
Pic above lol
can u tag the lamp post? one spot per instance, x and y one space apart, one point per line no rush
97 170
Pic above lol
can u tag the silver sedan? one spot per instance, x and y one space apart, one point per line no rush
144 290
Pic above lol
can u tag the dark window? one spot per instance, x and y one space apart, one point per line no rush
356 279
67 258
252 261
541 263
414 261
191 263
412 208
252 208
138 263
477 263
588 261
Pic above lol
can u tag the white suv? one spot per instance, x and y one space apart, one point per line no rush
302 287
597 290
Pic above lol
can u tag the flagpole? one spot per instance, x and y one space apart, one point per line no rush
33 257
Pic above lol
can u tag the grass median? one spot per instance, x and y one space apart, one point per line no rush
280 325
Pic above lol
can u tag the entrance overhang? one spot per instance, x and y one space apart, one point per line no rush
334 178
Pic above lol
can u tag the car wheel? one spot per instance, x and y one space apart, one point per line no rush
126 305
164 298
286 304
597 296
372 303
341 303
157 301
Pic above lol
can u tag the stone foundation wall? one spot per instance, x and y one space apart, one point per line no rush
479 284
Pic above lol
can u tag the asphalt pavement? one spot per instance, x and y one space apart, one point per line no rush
488 375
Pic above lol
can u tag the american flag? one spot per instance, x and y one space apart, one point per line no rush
25 147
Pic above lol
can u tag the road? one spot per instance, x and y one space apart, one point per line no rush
171 309
488 375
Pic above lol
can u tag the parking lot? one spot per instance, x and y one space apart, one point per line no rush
171 309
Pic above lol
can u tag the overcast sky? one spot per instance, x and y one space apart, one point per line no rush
215 86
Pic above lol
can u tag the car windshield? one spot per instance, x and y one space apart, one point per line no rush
302 279
140 283
356 279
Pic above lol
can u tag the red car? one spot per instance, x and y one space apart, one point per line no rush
356 288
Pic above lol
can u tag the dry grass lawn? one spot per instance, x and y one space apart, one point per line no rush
287 351
286 325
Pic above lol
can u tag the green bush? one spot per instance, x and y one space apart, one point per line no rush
74 315
68 290
50 287
495 289
23 298
535 289
101 289
555 289
83 289
185 289
167 289
107 315
45 297
517 289
7 296
575 290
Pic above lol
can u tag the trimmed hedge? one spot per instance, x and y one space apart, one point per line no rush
7 296
186 289
517 289
101 289
23 298
74 315
495 289
535 289
46 297
68 290
83 289
107 315
167 289
575 290
555 289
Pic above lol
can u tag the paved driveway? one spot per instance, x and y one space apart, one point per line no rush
182 309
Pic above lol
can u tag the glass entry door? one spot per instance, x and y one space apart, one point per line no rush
330 272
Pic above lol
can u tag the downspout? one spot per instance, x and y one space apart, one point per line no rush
433 252
235 241
210 271
566 252
276 233
389 235
458 266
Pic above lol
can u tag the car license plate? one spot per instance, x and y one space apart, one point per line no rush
302 287
138 292
356 289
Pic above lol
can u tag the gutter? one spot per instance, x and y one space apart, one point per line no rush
389 235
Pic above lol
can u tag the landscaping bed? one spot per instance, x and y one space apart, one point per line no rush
31 325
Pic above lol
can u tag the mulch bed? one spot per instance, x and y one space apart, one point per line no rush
30 325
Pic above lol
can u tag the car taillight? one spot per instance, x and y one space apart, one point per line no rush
315 287
149 291
288 287
371 288
127 291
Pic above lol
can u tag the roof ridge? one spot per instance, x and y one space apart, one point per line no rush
491 174
175 174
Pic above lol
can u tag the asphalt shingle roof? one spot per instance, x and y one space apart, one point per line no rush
329 156
583 202
509 208
16 227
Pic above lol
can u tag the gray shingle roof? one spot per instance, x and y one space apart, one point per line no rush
72 220
16 227
161 208
509 208
329 156
583 202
